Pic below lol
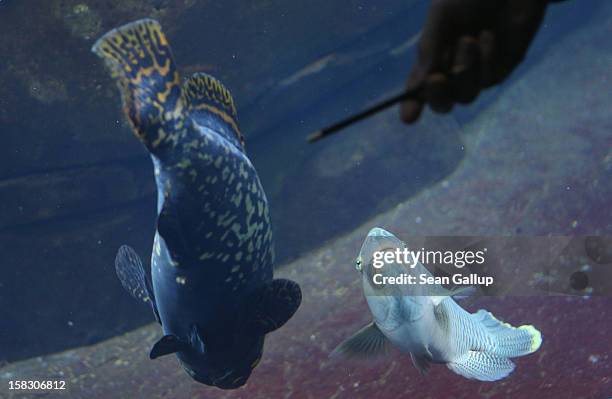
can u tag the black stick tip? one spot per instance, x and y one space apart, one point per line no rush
316 136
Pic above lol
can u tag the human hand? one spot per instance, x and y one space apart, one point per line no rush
467 46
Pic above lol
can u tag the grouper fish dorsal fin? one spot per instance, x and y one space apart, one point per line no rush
130 272
212 105
139 58
272 305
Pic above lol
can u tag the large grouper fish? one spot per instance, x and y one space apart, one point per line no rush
211 286
426 321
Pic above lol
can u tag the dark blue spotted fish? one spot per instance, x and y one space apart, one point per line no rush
211 286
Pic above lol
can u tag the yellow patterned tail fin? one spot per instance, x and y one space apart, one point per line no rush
141 61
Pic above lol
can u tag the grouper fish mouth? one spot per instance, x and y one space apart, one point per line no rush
211 284
428 324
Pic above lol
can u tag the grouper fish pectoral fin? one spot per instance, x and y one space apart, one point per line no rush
130 272
273 304
367 342
167 345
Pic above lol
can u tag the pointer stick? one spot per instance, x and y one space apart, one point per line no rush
319 134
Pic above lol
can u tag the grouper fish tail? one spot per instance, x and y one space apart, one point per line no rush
139 58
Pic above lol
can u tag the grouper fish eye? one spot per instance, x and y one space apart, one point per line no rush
211 284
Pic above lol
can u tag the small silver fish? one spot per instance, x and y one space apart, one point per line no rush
426 322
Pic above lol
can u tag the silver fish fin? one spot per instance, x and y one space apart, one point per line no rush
367 342
510 341
421 362
482 366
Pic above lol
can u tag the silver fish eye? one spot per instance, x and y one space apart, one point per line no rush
358 264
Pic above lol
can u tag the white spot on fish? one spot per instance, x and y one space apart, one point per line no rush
206 255
184 164
218 161
236 199
242 171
